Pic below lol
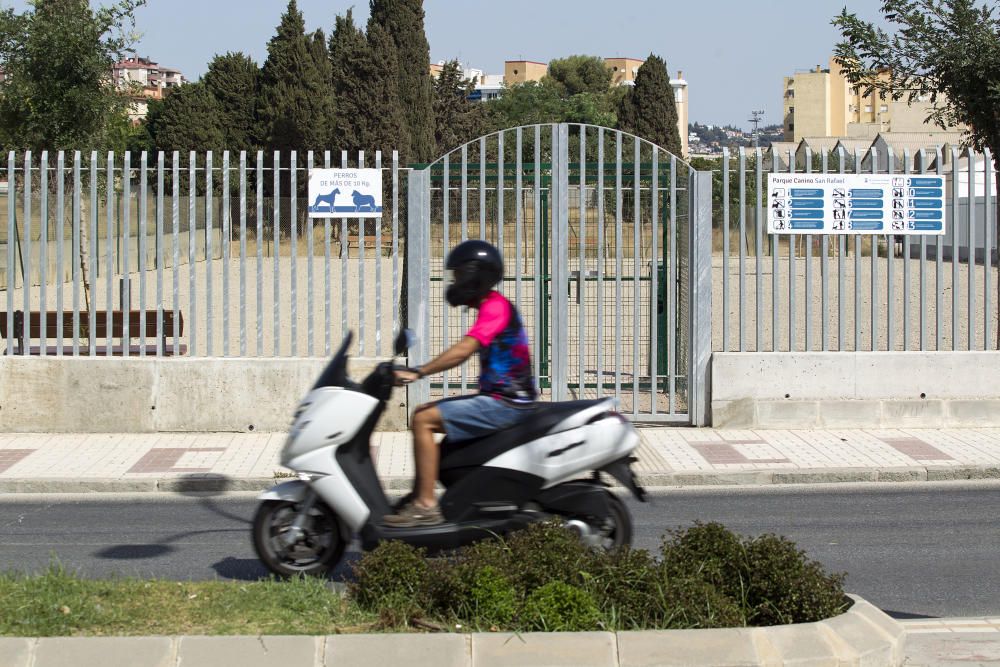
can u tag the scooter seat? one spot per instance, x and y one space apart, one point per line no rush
477 451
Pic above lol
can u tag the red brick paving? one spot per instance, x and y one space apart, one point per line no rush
917 449
163 459
8 457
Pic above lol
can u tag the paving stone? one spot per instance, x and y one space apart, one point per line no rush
264 651
104 651
572 649
15 651
731 646
412 650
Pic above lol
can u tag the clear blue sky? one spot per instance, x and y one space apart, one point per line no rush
733 52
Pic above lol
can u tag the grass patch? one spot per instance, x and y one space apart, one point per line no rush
60 603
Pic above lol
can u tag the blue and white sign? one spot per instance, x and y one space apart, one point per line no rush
855 204
345 193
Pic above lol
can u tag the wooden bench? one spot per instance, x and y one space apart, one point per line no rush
355 240
61 325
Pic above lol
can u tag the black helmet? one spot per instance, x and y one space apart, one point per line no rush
477 267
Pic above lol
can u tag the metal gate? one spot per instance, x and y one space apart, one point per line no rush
607 245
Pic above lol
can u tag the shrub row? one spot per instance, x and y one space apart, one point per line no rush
544 578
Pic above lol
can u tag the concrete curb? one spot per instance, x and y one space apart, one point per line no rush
863 635
208 483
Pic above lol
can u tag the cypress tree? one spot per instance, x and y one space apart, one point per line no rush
232 79
349 61
403 20
648 109
388 130
294 106
364 68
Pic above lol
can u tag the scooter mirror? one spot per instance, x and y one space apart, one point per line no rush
404 341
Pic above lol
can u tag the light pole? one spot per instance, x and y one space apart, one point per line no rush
756 116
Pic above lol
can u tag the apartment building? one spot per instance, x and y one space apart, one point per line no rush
821 103
150 80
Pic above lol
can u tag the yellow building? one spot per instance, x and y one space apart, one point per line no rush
623 70
522 71
821 103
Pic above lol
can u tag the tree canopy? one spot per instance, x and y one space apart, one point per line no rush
233 79
189 119
456 119
579 74
57 58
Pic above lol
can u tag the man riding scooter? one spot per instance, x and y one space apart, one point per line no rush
507 389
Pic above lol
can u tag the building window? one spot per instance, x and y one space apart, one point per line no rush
615 68
791 109
884 108
868 108
515 72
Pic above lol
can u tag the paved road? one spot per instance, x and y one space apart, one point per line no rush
914 550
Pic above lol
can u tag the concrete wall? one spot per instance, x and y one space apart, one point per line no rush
86 395
856 390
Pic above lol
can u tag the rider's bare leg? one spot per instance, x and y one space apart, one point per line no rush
426 422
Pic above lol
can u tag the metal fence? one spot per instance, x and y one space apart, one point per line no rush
833 293
220 241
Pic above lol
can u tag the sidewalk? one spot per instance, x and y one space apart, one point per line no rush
667 457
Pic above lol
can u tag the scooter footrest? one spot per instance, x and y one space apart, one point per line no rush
494 509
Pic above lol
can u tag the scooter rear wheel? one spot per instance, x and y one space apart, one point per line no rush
318 549
617 529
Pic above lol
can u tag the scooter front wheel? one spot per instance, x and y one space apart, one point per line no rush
289 544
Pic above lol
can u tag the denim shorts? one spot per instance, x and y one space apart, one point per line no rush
469 417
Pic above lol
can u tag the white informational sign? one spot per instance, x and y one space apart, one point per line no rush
345 193
855 204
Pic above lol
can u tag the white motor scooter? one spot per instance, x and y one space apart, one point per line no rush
550 465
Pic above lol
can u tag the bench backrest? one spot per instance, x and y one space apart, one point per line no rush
53 321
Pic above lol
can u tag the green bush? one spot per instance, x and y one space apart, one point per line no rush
543 577
390 580
785 586
559 607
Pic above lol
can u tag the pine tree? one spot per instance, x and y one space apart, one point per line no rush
648 109
294 105
456 119
233 79
403 20
188 119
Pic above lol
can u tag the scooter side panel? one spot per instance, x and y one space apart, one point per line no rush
333 486
582 417
561 456
327 416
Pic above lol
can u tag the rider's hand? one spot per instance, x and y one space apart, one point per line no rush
404 377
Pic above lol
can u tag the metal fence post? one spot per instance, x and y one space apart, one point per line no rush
701 297
560 264
418 276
